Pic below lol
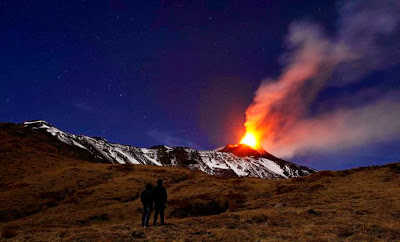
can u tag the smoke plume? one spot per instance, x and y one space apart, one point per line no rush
365 41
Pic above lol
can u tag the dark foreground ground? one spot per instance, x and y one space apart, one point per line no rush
50 192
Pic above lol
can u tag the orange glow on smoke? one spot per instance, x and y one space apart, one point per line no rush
250 140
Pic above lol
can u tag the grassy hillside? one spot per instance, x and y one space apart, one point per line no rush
49 191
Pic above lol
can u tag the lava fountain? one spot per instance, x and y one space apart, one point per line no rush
250 139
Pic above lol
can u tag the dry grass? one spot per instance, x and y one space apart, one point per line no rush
50 192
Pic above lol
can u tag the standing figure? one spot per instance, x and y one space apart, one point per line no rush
160 198
147 200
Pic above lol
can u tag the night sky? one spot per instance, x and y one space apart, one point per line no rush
172 72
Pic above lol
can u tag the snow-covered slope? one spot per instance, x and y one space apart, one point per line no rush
223 162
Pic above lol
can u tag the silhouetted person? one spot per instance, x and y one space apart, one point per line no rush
160 198
147 200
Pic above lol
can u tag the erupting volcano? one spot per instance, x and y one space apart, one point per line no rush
232 161
249 146
250 140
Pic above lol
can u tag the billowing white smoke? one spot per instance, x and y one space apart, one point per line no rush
367 40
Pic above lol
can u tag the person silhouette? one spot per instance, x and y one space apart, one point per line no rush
160 198
147 200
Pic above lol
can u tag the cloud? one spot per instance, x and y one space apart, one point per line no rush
371 31
170 139
364 42
374 122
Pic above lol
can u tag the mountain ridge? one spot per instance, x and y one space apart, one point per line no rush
225 162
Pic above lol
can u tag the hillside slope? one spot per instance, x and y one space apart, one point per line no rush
49 192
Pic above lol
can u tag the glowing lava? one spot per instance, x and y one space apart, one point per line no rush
250 140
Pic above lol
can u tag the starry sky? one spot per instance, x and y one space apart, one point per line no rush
162 72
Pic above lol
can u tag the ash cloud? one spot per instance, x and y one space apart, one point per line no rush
375 122
366 40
